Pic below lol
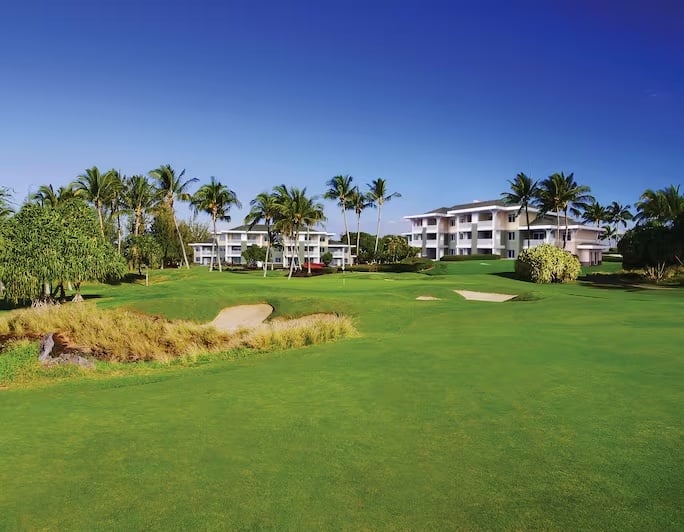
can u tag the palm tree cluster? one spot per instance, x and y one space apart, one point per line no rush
137 197
558 193
661 207
349 197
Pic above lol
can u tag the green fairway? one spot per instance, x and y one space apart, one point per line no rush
559 411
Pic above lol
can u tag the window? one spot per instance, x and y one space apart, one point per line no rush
432 221
538 235
278 260
452 252
569 236
511 218
452 237
465 235
485 217
484 234
452 222
511 253
465 218
511 235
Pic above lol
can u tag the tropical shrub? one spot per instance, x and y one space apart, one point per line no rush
547 264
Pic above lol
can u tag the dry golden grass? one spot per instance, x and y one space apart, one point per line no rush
126 336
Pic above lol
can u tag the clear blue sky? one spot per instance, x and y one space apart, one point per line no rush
445 100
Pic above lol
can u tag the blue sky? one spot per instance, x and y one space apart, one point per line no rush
445 100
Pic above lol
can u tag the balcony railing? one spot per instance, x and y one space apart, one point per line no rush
485 224
485 242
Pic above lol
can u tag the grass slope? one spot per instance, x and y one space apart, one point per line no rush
561 412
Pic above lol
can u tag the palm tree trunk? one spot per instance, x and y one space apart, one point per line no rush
180 239
292 258
565 237
377 231
136 227
268 246
557 228
527 216
119 232
98 206
346 230
358 235
213 245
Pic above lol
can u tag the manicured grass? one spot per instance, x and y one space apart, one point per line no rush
561 412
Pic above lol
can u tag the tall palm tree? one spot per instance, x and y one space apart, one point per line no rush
359 202
314 215
595 213
171 187
215 199
340 189
662 206
608 234
378 195
139 197
264 207
96 188
562 193
117 203
523 192
47 196
618 214
293 211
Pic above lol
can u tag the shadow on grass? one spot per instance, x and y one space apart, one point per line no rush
8 305
506 275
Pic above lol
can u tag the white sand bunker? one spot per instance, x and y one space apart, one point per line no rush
242 317
484 296
428 298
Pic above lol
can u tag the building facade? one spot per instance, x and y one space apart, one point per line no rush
233 242
492 227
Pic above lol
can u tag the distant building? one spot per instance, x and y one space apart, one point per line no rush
231 243
492 227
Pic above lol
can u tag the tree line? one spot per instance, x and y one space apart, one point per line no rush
655 242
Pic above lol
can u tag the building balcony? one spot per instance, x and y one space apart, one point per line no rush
485 225
485 243
464 243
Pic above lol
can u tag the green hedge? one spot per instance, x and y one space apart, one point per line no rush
399 267
612 258
457 258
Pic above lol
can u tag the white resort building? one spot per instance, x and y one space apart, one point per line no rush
231 243
492 227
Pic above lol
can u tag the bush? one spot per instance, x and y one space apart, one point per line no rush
457 258
396 267
547 264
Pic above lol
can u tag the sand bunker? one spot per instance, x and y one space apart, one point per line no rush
428 298
484 296
242 317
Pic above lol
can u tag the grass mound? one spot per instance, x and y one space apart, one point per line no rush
120 335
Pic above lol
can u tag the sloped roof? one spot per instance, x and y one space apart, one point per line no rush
476 204
550 219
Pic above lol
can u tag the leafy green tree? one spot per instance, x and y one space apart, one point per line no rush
45 247
254 254
523 192
326 258
264 208
340 189
172 187
163 230
378 196
654 247
5 202
397 249
366 249
142 250
96 188
215 199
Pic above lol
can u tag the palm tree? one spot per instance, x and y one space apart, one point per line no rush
215 199
618 214
315 214
293 213
523 192
264 207
359 202
117 203
378 195
340 189
562 193
608 233
662 206
139 197
96 188
46 196
171 187
594 212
